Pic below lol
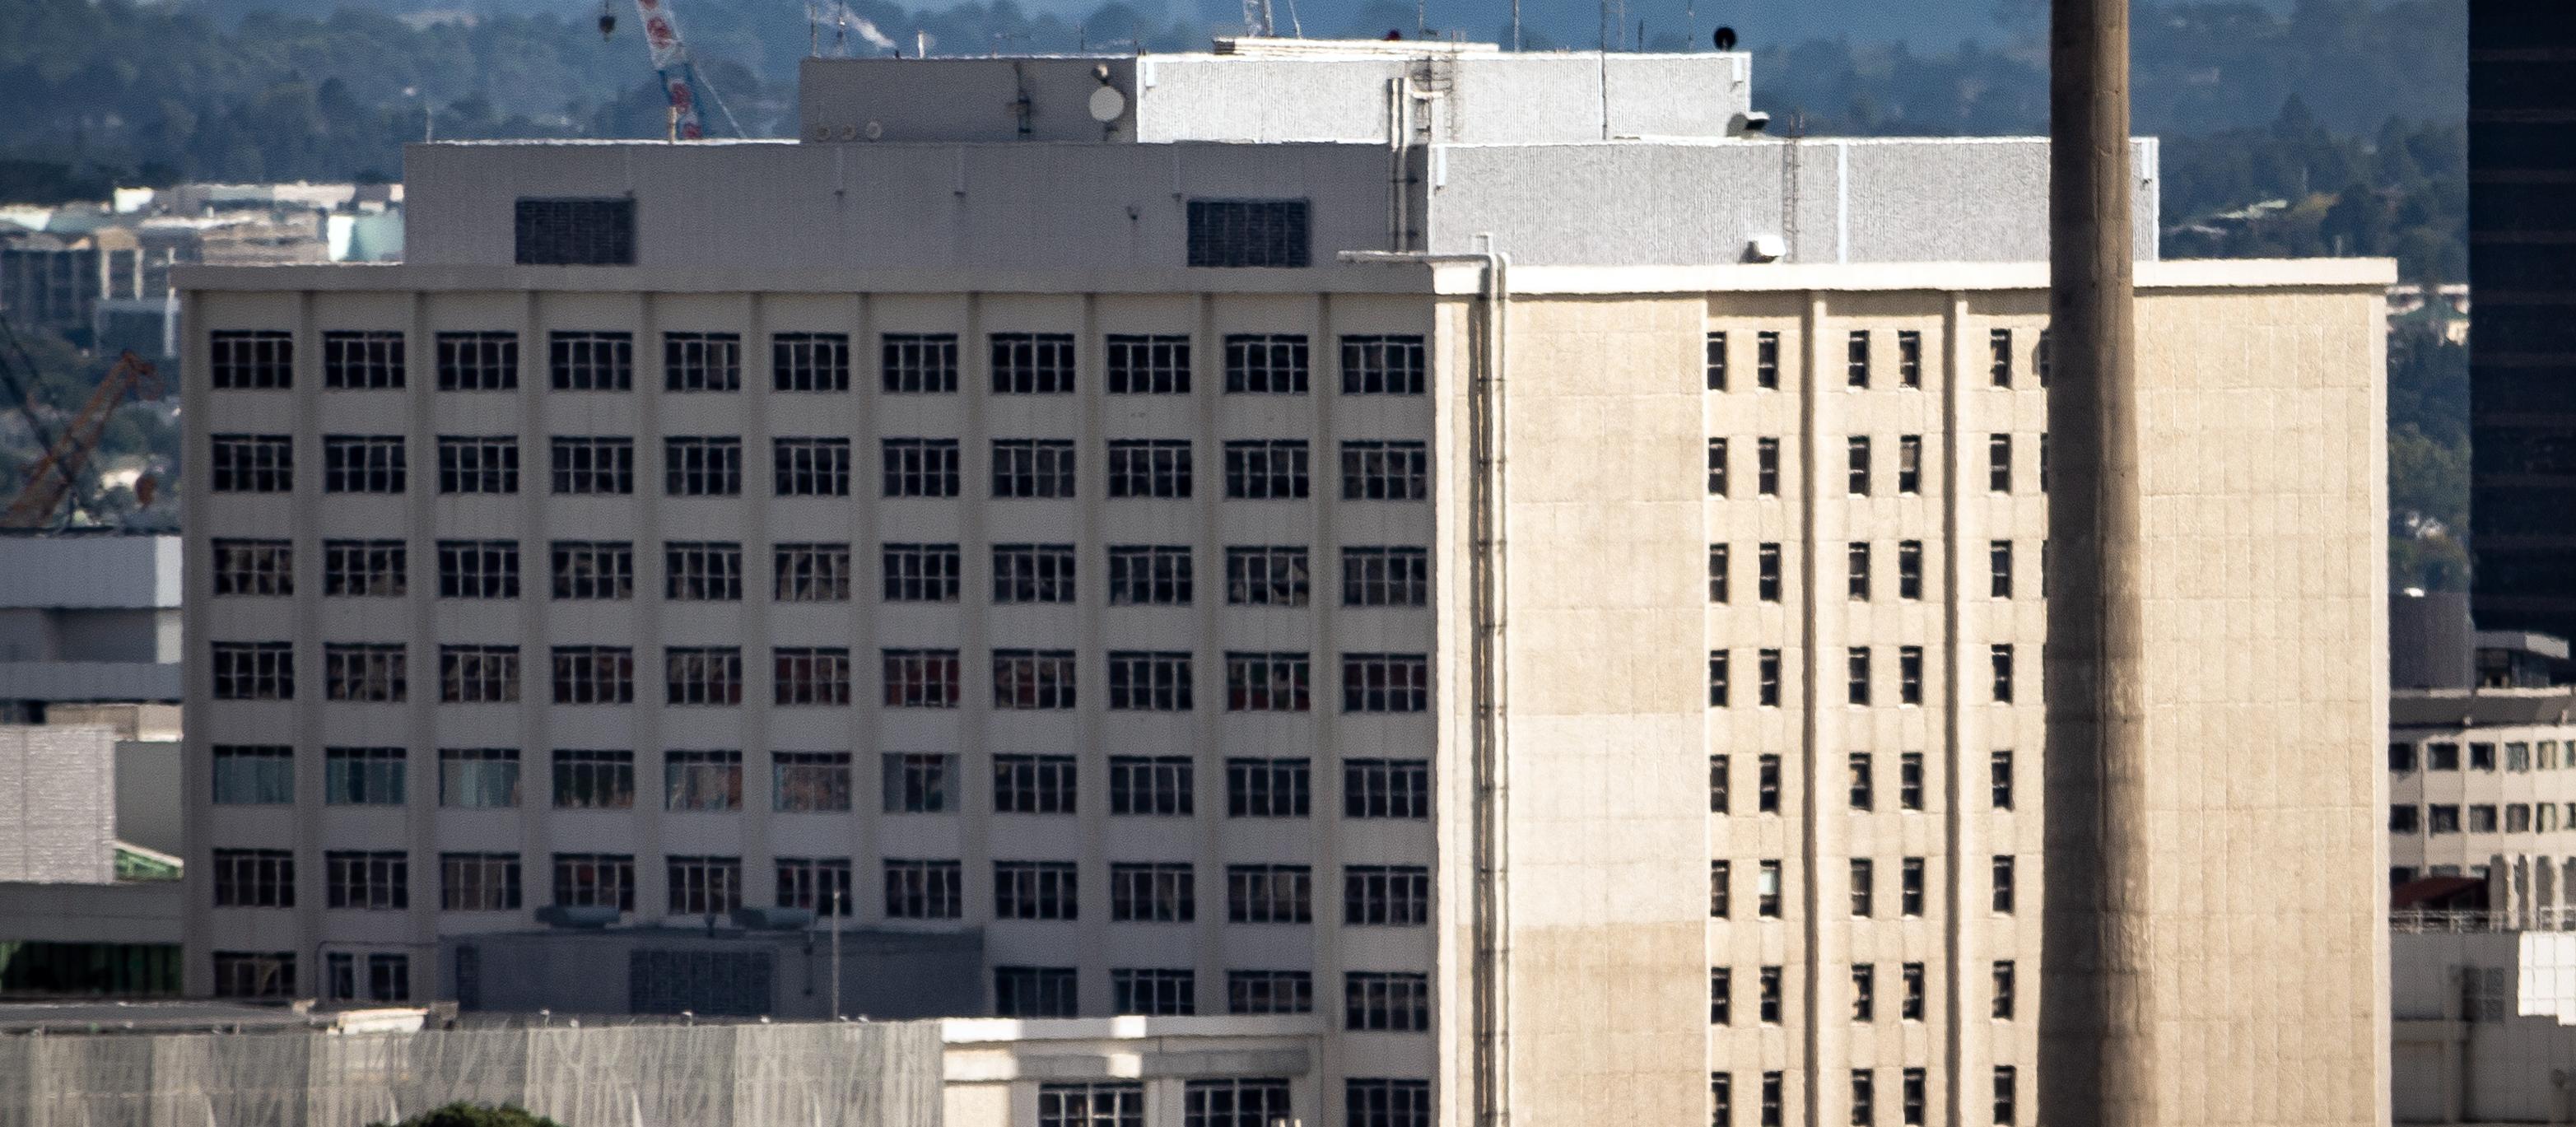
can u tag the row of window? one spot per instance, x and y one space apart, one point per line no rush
1366 1102
1913 1106
1862 774
2444 818
909 363
822 782
1768 891
1144 892
1859 474
1859 685
1859 357
1223 233
1911 1002
1275 575
1139 681
2519 756
712 466
1859 570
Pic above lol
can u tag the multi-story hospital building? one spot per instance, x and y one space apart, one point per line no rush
1375 532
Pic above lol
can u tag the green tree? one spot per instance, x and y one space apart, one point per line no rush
475 1115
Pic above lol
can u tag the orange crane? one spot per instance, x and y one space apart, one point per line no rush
55 477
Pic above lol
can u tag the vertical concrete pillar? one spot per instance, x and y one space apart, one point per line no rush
2096 1030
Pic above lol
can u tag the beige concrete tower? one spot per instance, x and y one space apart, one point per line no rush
2213 926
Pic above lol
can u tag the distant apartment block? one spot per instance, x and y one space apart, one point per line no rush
1144 531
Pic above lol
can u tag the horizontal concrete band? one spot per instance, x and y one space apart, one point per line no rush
1392 278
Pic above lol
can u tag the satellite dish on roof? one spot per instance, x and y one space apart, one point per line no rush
1725 39
1106 104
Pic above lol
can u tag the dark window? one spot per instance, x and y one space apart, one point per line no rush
709 675
1766 361
1151 785
1033 784
585 569
1386 471
1269 894
1273 576
1382 365
1266 364
811 573
1386 577
1033 467
478 464
1386 788
1259 470
251 360
810 675
594 466
1149 575
594 780
810 467
1149 990
1266 682
809 362
576 232
254 463
702 467
1032 363
1248 233
1909 358
1269 992
920 573
478 569
363 463
1033 573
1386 895
1716 361
1149 365
485 361
1235 1103
920 363
1033 679
920 467
604 880
919 782
478 674
1386 1103
921 678
1153 893
1149 468
1392 1001
1035 890
362 361
254 567
1149 681
588 361
594 675
1267 788
701 361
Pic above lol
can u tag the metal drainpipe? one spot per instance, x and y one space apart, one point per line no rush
1486 527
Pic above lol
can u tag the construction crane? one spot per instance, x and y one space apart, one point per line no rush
55 476
671 60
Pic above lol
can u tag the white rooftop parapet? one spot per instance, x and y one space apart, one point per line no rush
1281 90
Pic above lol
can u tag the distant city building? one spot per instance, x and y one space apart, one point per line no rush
101 272
2484 1020
2446 308
1364 532
87 619
2522 359
2482 784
